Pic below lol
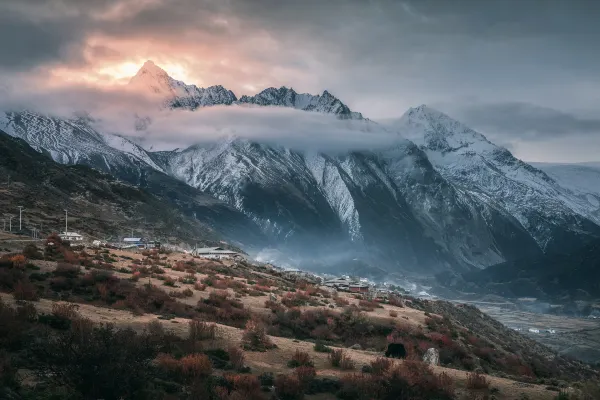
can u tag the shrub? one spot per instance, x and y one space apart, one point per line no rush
288 387
169 282
31 252
255 337
243 387
65 310
360 387
347 363
222 308
381 365
274 306
477 382
320 347
66 270
200 330
306 375
194 366
24 290
236 357
199 286
300 359
95 362
18 261
393 313
339 359
367 305
341 302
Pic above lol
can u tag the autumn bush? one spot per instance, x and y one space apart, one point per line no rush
241 387
274 306
381 365
65 310
345 329
339 359
221 307
18 261
295 299
32 252
477 382
409 380
255 337
288 387
300 359
194 366
341 301
201 330
24 290
306 375
237 357
393 313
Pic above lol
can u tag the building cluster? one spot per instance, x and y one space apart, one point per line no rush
139 243
347 285
71 236
216 253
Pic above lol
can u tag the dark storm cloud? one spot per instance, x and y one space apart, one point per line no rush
524 120
379 56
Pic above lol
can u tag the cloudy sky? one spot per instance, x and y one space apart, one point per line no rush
524 72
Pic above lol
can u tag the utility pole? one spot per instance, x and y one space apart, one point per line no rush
10 217
20 213
66 221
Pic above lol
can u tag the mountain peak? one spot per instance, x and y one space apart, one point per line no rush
150 68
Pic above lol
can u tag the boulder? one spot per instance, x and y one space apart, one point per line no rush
432 357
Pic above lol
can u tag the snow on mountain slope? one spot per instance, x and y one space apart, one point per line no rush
286 97
443 198
272 186
74 141
476 166
581 179
171 93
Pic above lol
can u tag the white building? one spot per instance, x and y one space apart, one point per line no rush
215 253
71 236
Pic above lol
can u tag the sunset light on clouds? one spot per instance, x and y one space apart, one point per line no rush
380 57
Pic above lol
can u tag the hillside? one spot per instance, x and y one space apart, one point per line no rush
556 277
101 206
261 330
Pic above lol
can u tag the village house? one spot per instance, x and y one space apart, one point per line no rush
346 285
358 288
71 236
216 253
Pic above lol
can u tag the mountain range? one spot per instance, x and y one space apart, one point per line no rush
440 198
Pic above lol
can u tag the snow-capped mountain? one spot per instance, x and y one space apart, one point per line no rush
325 103
172 93
583 179
442 197
176 94
75 141
475 166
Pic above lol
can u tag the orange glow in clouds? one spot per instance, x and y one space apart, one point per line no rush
115 73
